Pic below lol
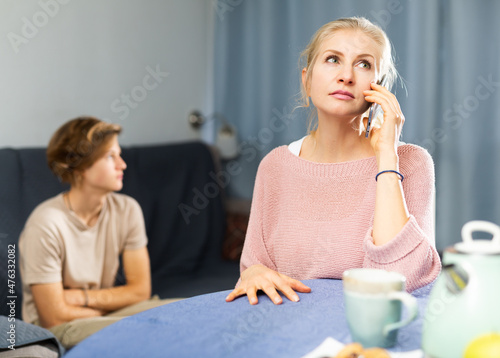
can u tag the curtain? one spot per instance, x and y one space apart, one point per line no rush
447 53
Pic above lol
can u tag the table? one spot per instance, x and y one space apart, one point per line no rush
207 326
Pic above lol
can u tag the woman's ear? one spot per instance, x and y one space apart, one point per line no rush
304 81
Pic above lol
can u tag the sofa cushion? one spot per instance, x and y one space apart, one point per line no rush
21 339
185 220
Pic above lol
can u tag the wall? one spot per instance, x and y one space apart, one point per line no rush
142 64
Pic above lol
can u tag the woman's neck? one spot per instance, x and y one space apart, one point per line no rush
335 141
87 205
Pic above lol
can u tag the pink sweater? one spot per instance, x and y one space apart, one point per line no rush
314 220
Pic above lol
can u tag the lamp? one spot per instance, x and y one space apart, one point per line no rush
226 137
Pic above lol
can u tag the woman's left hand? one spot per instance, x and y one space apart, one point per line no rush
385 139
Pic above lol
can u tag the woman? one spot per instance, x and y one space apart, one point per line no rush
336 200
71 244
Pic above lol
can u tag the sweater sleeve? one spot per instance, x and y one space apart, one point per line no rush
412 251
254 249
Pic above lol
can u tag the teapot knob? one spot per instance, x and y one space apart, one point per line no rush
482 247
478 225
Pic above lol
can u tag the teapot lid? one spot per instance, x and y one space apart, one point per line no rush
481 247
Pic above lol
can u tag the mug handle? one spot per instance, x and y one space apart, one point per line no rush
411 305
484 226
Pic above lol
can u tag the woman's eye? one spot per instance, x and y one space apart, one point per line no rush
365 64
332 59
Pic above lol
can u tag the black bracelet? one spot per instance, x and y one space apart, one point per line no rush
390 171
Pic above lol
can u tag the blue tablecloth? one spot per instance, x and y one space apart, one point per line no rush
207 326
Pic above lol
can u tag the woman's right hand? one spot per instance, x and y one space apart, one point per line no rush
259 277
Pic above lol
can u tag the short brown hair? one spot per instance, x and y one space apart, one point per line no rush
78 144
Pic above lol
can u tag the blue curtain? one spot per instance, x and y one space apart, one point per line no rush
447 52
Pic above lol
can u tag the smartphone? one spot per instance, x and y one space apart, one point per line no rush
374 109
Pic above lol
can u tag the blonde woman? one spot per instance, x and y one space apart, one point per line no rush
71 244
336 199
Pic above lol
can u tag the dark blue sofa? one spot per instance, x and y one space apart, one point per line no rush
176 186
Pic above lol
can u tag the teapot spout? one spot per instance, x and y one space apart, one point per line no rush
456 278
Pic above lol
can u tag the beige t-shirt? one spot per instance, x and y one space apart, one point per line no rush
56 245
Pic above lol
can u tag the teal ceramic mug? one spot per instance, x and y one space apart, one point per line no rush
373 302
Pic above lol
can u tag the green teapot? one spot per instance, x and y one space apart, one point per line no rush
465 300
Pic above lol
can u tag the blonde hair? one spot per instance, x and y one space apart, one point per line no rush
309 55
78 144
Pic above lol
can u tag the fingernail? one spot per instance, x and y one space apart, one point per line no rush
295 299
253 301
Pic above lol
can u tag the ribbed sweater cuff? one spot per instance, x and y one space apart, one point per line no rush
401 245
